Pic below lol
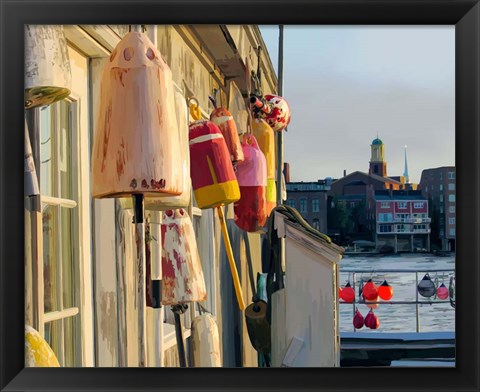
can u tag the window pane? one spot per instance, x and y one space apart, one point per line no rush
50 241
71 334
67 241
46 151
64 145
51 336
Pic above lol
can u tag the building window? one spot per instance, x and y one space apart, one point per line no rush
315 205
451 209
442 232
441 198
291 202
451 198
441 209
440 175
451 221
303 205
60 215
451 186
418 205
316 224
452 232
451 175
385 217
401 228
385 228
385 204
402 205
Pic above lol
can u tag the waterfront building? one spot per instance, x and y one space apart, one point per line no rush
438 187
400 220
310 199
349 215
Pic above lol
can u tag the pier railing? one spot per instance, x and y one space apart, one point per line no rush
417 301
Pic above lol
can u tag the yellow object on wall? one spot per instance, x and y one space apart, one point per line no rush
266 141
37 351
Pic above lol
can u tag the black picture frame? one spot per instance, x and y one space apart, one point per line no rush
464 14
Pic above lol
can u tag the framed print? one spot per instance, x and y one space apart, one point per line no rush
172 214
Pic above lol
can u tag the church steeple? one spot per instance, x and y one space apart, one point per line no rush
405 171
378 165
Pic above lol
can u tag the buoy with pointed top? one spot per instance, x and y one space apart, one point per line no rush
442 292
385 291
370 290
348 294
426 287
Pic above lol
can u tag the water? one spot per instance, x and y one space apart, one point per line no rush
400 318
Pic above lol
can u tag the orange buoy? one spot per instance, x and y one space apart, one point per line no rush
385 291
348 294
370 290
224 120
372 305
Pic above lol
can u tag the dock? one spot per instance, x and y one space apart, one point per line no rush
381 349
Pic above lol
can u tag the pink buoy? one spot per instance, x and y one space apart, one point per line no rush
251 209
442 292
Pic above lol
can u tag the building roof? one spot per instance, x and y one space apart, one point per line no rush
373 176
399 195
377 141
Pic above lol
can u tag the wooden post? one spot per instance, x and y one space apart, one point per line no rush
138 208
231 260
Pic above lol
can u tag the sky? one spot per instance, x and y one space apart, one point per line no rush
345 84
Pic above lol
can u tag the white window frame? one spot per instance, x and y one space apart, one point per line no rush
451 198
451 186
79 138
315 205
402 205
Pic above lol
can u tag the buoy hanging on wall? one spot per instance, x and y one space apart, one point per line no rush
251 209
275 111
426 287
385 291
225 122
213 179
266 141
37 351
163 202
182 274
136 148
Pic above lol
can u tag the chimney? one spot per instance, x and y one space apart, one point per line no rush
344 173
286 172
